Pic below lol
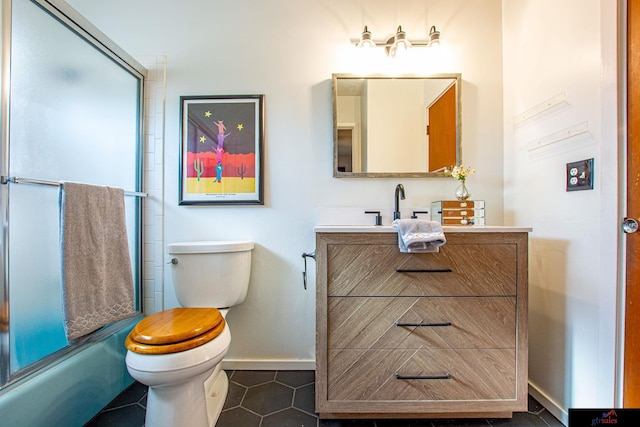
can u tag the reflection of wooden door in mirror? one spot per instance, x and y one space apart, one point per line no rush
441 131
349 148
345 143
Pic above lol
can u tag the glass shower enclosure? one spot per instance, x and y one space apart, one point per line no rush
71 110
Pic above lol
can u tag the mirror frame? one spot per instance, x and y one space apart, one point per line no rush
334 80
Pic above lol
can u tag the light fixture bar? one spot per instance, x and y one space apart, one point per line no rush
398 41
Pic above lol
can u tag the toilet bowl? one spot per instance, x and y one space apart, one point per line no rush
177 352
179 370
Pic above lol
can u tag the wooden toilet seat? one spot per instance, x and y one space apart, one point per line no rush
175 330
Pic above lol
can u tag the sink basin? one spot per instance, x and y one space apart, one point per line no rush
357 216
355 229
354 220
446 229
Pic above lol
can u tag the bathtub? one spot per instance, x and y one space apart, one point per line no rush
72 391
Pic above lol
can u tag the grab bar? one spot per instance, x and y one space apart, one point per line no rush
15 180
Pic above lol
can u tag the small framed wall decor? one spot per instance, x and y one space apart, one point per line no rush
221 156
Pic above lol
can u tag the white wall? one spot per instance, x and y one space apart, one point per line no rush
565 47
287 50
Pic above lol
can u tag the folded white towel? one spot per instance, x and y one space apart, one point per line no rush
97 281
416 235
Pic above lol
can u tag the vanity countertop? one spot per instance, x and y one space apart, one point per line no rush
391 229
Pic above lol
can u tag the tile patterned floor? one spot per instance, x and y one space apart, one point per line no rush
286 399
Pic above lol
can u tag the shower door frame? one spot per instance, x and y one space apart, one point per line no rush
73 21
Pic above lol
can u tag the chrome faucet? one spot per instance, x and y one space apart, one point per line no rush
399 195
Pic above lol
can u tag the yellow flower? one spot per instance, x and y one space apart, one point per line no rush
460 172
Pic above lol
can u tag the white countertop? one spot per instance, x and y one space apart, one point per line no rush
391 229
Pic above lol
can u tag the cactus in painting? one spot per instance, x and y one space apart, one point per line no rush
241 170
198 166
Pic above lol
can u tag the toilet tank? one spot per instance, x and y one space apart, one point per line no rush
210 273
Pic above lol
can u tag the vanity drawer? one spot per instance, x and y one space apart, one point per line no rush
462 213
456 270
459 204
431 322
421 375
463 221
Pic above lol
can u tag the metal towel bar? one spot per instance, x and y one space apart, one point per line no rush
15 180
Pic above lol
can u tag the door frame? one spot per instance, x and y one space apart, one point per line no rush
627 393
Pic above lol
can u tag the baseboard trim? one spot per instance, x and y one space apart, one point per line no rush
268 365
550 405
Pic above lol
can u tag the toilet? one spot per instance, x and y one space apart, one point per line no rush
177 352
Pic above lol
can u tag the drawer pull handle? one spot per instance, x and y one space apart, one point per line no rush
434 270
424 324
446 376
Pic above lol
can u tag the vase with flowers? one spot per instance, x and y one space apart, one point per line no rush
460 173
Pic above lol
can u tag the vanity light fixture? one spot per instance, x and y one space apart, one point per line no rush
365 39
434 37
398 43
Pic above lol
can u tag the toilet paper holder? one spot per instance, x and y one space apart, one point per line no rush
306 255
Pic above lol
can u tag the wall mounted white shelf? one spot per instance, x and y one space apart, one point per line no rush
570 132
536 110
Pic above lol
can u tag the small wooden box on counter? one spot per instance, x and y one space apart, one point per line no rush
458 212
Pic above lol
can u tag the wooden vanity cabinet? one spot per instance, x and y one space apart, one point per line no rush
424 335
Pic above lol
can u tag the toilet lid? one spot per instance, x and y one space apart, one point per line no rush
174 330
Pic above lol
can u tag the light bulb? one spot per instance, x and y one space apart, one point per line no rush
365 39
400 44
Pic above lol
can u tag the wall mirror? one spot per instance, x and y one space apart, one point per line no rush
395 126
